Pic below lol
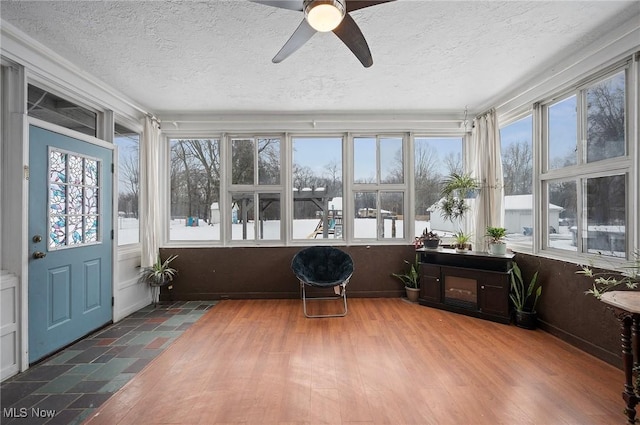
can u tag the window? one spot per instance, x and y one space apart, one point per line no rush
379 188
255 189
194 189
56 110
317 188
562 133
517 170
588 168
74 207
606 118
128 142
434 159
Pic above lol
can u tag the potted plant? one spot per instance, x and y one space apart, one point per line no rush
497 246
455 188
157 275
430 239
524 298
461 241
411 279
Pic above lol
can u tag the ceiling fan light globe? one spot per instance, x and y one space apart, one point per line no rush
324 15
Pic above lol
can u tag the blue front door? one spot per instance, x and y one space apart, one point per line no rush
70 222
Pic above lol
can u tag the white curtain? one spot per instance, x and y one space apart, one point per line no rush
150 191
487 168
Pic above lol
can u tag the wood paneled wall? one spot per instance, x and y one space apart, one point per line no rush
566 312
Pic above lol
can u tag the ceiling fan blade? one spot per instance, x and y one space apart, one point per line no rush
349 32
283 4
301 35
358 4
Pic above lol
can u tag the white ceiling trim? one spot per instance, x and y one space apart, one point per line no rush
451 123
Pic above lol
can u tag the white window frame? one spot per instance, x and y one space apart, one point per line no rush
378 188
230 189
583 170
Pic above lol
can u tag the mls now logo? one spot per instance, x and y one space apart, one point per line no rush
23 412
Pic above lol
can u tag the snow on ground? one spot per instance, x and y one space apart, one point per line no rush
302 229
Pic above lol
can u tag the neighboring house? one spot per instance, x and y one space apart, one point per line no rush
517 215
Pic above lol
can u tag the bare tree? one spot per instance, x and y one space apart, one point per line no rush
426 178
268 161
605 119
129 183
453 163
517 167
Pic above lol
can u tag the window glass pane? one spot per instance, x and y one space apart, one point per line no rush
268 161
317 188
73 199
195 189
364 160
391 165
606 215
434 158
562 128
561 215
269 225
242 217
517 170
392 215
365 223
56 110
242 167
606 118
128 143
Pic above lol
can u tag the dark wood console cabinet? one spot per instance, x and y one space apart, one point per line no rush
472 283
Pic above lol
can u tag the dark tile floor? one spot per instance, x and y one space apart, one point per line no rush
68 386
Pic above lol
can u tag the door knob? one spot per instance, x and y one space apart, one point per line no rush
39 254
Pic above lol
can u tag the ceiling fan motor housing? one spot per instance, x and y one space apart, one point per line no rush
324 15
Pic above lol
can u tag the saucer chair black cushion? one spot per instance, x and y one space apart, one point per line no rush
322 266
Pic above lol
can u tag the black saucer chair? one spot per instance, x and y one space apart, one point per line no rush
323 267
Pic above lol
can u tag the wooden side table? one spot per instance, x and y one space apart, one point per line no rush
627 306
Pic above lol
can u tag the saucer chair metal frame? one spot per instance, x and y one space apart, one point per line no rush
323 267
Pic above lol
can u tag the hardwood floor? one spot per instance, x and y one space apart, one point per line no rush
386 362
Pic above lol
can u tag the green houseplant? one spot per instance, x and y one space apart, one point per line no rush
411 279
462 241
524 298
497 246
455 188
608 281
158 274
430 239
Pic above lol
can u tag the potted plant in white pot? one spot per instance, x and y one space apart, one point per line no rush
157 275
411 279
496 235
524 298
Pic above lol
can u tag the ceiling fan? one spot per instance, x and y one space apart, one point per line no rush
324 16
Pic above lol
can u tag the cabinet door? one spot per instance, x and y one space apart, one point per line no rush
430 285
494 300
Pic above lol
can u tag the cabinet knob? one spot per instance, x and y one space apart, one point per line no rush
482 287
437 280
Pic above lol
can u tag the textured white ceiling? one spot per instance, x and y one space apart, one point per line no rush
183 56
